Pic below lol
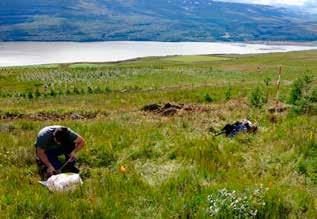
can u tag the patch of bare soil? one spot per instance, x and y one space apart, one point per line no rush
169 109
277 112
235 104
279 109
54 116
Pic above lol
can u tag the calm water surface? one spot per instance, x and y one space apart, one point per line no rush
32 53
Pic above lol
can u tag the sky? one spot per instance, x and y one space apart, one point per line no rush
277 2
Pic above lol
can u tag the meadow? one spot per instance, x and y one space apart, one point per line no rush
175 166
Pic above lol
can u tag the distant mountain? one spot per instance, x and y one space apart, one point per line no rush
155 20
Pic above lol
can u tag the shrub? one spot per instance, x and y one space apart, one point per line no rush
208 98
60 92
313 96
267 81
37 93
296 91
302 96
52 92
82 91
228 93
308 78
68 92
76 91
30 95
90 90
257 98
301 89
107 90
98 90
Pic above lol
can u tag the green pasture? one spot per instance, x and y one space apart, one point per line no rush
174 163
195 58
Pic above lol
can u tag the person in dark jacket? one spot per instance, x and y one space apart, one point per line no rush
53 141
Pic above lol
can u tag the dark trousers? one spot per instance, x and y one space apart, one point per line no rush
52 156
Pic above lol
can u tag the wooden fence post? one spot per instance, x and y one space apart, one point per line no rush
278 84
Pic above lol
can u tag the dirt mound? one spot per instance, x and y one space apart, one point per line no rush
54 116
279 109
64 116
169 109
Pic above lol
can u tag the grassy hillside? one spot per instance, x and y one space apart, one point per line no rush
160 20
175 167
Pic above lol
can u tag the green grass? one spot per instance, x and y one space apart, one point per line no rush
173 163
90 65
195 58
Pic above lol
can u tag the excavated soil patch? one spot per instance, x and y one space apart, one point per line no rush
54 116
169 109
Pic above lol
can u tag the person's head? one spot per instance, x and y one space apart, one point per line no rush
61 135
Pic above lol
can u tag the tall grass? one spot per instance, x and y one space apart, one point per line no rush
173 163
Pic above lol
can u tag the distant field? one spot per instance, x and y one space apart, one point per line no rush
90 65
197 58
176 167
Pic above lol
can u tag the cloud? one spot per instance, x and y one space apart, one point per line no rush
311 6
274 2
305 5
311 3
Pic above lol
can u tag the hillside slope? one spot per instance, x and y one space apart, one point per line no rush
173 20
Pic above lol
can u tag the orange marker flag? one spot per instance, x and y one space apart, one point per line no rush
122 169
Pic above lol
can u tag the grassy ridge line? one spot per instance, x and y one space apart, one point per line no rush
179 58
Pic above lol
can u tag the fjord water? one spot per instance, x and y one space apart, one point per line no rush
34 53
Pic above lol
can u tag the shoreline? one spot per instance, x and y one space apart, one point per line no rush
30 53
275 43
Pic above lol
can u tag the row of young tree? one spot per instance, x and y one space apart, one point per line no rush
302 95
37 93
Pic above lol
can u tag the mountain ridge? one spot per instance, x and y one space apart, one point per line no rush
139 20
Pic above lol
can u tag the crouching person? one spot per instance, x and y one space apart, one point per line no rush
53 141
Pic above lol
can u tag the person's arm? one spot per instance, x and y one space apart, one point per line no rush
79 144
41 154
